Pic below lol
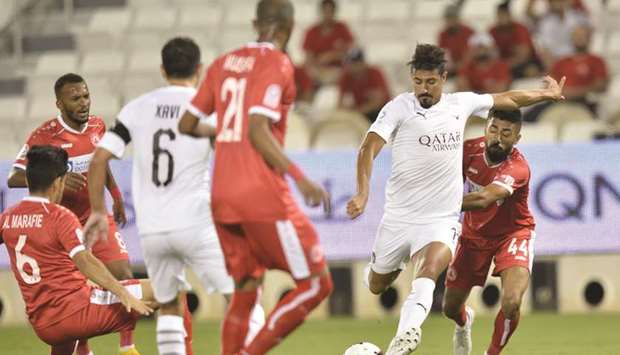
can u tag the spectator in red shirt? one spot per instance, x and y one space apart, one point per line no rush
585 73
515 44
483 71
326 44
453 38
363 87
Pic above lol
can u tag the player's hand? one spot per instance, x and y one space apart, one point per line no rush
131 303
118 209
554 88
96 228
75 181
314 194
357 205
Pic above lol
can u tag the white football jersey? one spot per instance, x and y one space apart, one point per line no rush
170 181
426 181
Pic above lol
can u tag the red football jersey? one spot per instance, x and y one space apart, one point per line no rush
580 70
504 217
362 87
506 38
79 145
41 238
318 41
255 79
484 78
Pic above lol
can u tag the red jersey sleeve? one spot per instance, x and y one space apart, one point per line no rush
68 231
512 176
267 96
203 104
35 138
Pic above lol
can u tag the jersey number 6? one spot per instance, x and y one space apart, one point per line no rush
23 259
157 152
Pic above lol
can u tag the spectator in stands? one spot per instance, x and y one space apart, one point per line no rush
326 44
515 44
304 85
363 87
483 70
585 73
555 29
454 37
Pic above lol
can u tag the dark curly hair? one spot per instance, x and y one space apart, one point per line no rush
428 57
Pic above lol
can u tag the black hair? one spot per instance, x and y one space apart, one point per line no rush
45 164
512 116
274 12
69 78
504 6
180 57
428 57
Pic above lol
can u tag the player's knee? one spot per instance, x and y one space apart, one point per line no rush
327 286
450 309
377 287
511 304
172 307
431 271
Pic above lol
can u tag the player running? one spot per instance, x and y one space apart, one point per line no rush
51 265
259 225
425 189
498 226
78 132
171 193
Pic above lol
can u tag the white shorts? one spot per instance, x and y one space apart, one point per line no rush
167 254
396 243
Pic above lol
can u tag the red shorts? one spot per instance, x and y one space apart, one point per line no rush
114 249
252 247
472 260
103 315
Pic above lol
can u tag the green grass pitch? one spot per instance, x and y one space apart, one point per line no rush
538 334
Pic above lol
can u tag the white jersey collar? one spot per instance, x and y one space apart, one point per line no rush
66 126
261 45
36 199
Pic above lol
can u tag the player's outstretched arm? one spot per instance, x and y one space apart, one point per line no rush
514 99
118 208
370 148
190 124
484 198
265 143
95 271
96 227
17 178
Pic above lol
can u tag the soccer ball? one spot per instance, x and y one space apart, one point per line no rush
363 348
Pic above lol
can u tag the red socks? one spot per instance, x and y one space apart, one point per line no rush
290 313
126 338
237 321
462 317
503 331
187 323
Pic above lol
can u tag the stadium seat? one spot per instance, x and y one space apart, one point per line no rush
142 40
430 9
388 51
106 106
560 114
474 130
145 61
238 13
480 14
297 133
155 18
137 84
96 41
350 11
236 37
388 11
13 108
526 84
614 44
580 131
338 132
537 133
102 62
306 13
110 20
54 63
200 16
41 108
426 31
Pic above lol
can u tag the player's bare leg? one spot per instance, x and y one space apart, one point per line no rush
454 308
291 312
429 262
121 269
64 349
379 283
515 281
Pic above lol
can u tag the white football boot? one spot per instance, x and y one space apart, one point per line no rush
406 342
462 335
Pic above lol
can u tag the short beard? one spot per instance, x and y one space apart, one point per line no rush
496 154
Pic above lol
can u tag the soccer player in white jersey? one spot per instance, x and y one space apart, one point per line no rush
425 190
170 186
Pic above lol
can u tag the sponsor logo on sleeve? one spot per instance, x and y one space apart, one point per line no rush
273 96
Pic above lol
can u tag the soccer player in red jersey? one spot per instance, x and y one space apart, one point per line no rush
51 265
258 223
498 227
76 131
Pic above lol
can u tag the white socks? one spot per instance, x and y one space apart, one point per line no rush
417 305
257 320
170 335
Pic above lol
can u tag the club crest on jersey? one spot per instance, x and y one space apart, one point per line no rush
94 139
273 94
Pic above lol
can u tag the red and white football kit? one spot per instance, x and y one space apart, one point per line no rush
41 238
80 146
504 231
247 192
